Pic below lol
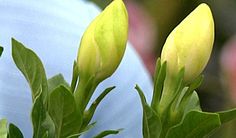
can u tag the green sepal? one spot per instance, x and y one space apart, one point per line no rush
32 68
196 124
107 132
14 132
64 113
75 76
193 103
88 114
159 78
187 94
171 94
152 126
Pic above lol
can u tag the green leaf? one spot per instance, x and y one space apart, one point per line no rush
193 103
90 112
75 76
42 122
1 50
3 128
14 132
159 79
189 92
151 122
196 124
107 132
65 115
56 81
32 68
157 70
228 115
87 128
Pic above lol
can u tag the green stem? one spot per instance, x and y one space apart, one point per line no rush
84 92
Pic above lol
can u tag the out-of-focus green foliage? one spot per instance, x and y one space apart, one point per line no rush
101 3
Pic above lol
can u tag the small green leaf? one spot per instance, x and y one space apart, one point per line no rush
157 69
197 82
193 103
65 115
151 122
56 81
90 112
32 68
75 76
196 124
42 122
159 79
228 115
14 132
87 128
107 132
1 50
3 128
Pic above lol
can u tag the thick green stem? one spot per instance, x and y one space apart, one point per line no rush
84 92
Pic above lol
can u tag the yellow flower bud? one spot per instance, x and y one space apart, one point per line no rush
103 43
190 44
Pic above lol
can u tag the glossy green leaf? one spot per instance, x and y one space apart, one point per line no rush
196 124
228 115
151 122
1 50
90 112
65 115
14 132
3 128
107 132
42 122
56 81
32 68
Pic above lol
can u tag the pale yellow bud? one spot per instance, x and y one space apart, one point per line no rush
103 44
190 44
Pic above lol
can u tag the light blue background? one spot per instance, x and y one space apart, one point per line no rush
53 29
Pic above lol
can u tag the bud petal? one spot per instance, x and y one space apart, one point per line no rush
103 44
190 44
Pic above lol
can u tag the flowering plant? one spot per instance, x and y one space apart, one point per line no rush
59 109
175 110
